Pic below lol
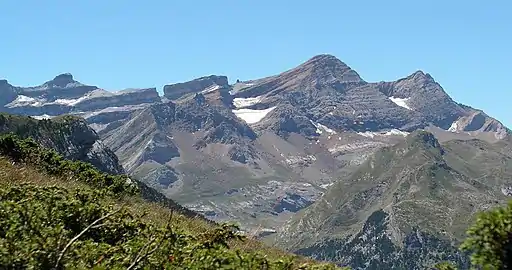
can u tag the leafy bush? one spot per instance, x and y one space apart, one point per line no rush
27 151
52 227
489 241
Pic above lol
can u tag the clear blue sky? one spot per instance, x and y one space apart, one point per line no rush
465 45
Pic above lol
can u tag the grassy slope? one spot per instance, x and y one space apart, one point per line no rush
39 172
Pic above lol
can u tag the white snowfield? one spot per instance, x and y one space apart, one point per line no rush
370 134
22 100
70 102
246 102
252 116
402 102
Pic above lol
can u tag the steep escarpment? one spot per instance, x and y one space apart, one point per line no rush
68 135
204 84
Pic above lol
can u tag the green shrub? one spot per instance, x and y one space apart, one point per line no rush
489 239
27 151
47 227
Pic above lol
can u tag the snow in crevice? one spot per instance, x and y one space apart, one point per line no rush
252 116
246 102
41 117
321 128
328 130
395 132
210 89
454 127
402 102
70 102
326 185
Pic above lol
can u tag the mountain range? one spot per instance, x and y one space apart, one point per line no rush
315 159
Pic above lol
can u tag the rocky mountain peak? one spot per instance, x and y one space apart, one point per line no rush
322 74
325 58
64 77
3 82
327 68
419 75
62 80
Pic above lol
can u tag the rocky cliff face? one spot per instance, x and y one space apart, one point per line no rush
69 136
203 84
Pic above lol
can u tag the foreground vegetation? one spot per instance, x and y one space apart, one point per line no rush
489 241
62 214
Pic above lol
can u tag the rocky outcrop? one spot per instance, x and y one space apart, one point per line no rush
69 136
373 248
7 93
477 121
208 83
104 99
63 86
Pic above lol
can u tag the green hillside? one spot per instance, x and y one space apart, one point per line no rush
57 213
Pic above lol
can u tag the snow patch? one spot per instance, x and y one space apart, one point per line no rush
454 127
370 134
246 102
328 130
70 102
402 102
41 117
354 146
22 100
396 132
210 89
321 128
252 116
326 185
301 160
